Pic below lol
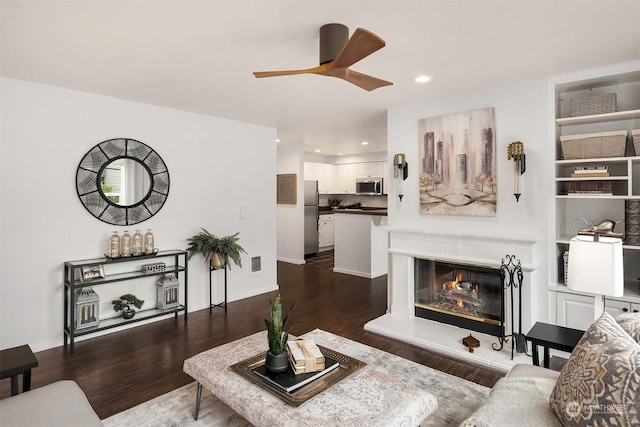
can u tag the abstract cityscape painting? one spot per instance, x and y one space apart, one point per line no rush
458 164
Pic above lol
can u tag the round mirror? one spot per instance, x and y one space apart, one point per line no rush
122 181
125 181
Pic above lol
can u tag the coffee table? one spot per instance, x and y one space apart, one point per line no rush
369 397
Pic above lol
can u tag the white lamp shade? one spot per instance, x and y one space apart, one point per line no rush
596 267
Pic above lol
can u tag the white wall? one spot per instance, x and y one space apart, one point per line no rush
291 217
47 130
521 114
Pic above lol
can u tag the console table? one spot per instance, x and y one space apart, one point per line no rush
552 336
132 266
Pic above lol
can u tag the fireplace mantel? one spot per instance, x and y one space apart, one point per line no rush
481 248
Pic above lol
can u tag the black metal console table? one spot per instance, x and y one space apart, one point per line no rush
73 282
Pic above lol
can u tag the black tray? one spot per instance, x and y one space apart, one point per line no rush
348 365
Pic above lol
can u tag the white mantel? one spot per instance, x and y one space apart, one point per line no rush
406 244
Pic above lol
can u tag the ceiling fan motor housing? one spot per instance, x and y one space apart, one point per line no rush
333 37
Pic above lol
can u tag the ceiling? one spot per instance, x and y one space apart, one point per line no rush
199 55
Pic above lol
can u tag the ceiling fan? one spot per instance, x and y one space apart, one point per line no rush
337 53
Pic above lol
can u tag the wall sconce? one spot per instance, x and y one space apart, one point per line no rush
515 151
400 171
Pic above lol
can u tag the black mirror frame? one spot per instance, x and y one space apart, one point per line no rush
92 197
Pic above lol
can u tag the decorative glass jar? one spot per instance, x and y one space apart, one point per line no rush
125 244
148 242
114 245
137 247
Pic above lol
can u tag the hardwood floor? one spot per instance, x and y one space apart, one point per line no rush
123 369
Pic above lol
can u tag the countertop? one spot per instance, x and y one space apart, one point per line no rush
359 211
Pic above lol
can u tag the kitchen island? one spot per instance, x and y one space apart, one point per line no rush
361 242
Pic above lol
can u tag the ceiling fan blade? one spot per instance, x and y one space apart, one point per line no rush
321 69
361 44
364 81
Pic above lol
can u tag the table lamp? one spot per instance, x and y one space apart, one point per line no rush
595 266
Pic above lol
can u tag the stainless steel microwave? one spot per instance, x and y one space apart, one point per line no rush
371 186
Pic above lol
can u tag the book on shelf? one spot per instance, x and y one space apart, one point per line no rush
590 193
288 381
590 175
590 169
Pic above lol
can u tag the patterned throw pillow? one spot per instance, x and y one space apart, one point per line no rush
630 322
600 383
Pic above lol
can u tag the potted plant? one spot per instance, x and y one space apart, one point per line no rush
216 250
334 202
124 304
277 359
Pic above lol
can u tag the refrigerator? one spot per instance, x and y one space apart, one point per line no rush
310 217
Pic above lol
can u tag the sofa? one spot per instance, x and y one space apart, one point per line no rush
59 404
598 386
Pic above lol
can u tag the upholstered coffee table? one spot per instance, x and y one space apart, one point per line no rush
368 397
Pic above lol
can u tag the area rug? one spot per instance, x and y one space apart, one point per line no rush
457 398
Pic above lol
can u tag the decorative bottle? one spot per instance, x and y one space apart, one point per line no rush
125 244
137 248
148 242
114 245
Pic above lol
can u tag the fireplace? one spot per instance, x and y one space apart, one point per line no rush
464 295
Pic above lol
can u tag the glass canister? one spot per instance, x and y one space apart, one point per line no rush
137 247
148 242
114 245
125 244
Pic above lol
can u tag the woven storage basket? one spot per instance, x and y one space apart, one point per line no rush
593 145
635 134
598 104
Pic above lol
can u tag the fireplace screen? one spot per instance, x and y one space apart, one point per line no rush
463 295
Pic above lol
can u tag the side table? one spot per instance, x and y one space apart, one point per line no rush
552 336
15 361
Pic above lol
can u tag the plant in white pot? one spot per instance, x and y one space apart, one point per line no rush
216 250
277 359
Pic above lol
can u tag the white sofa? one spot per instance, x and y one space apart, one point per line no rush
59 404
599 384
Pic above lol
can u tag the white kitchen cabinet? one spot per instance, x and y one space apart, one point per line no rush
574 310
346 179
368 170
326 229
324 173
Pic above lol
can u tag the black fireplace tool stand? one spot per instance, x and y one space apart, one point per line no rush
511 277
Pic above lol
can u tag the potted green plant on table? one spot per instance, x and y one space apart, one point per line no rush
124 304
277 358
334 202
216 250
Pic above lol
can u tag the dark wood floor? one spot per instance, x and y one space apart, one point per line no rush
124 369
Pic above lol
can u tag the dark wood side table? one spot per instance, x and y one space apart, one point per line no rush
552 336
15 361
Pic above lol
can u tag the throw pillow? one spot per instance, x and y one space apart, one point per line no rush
600 383
630 322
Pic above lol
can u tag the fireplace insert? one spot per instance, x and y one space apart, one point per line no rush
464 295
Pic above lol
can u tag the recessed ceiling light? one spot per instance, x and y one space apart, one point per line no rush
340 154
364 143
422 79
317 151
277 139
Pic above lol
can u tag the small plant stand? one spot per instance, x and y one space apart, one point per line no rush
222 304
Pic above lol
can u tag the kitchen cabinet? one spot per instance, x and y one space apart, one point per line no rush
621 184
368 170
324 173
346 179
326 231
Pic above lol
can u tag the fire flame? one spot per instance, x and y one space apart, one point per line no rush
460 304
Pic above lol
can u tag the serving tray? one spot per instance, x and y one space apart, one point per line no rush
348 365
